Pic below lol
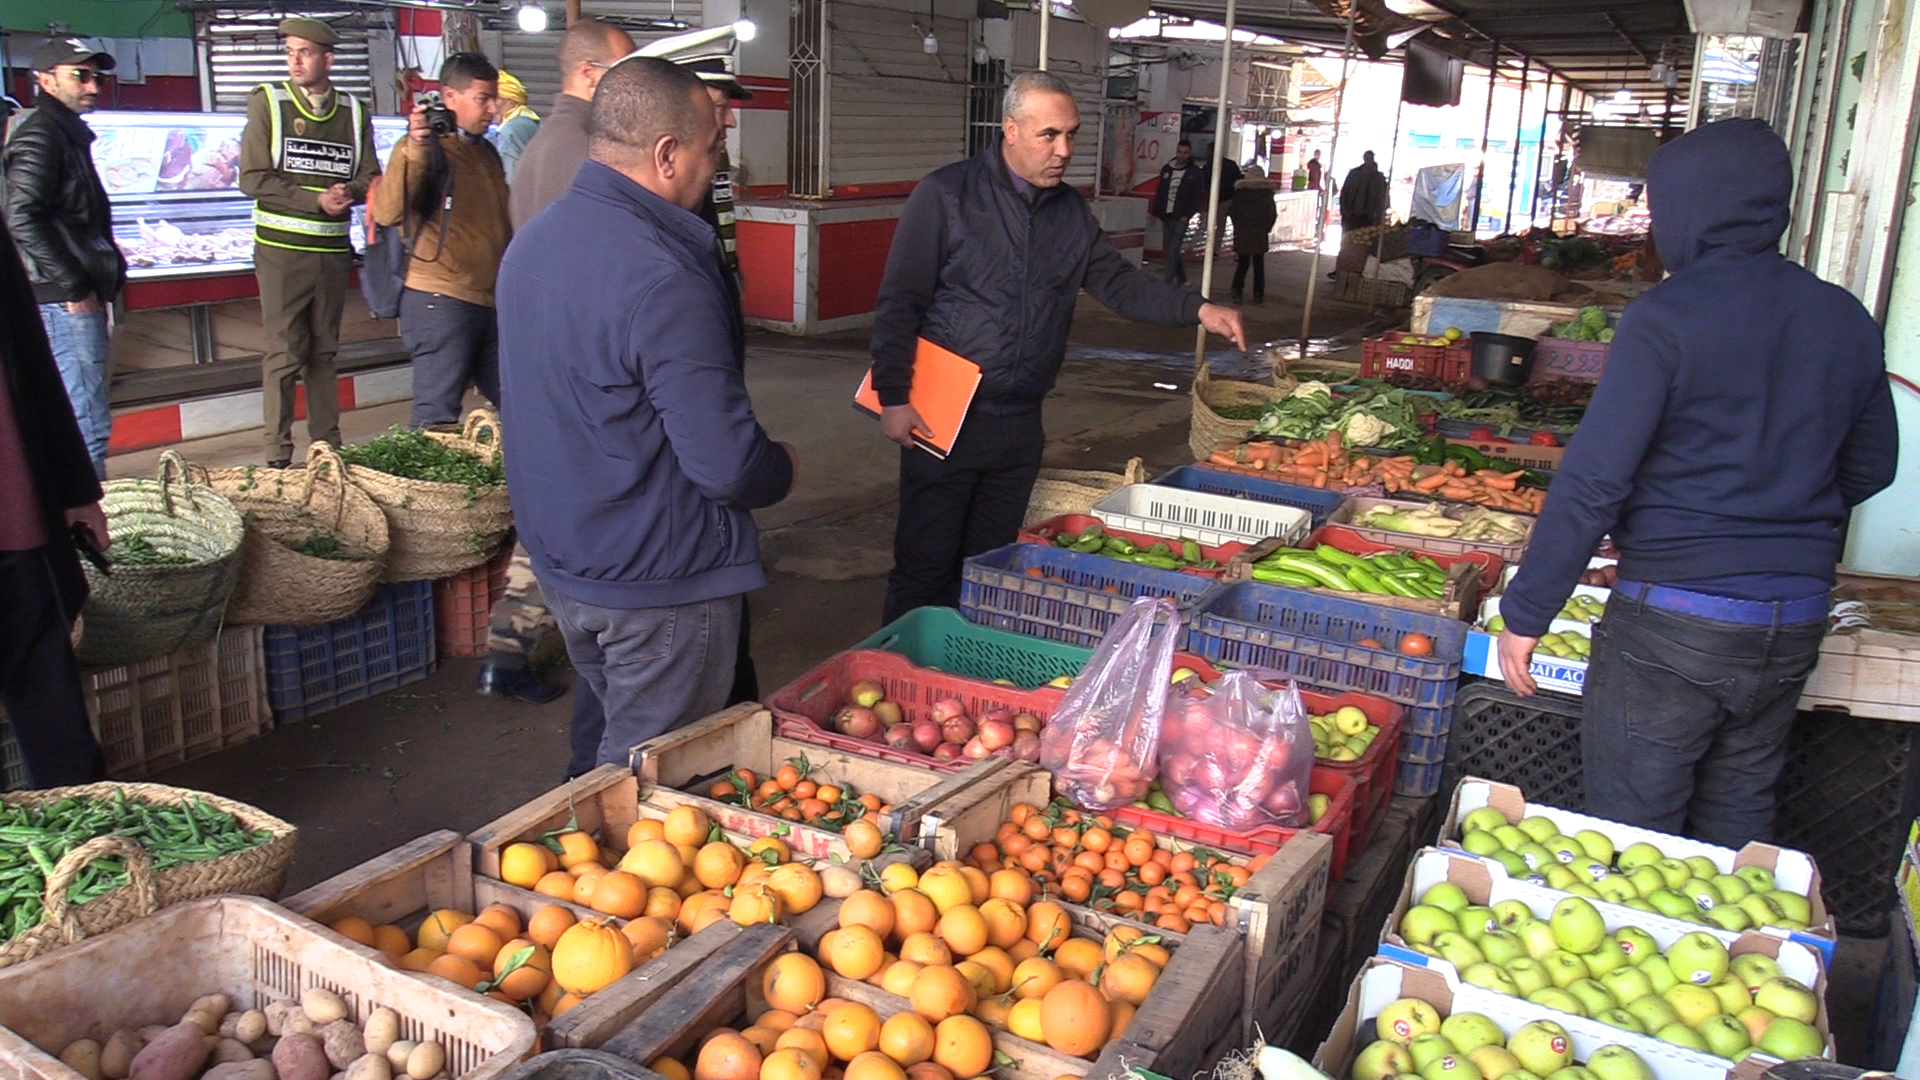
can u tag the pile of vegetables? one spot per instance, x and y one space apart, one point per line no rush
34 838
1556 405
133 549
1573 253
411 455
1437 469
1482 525
1160 555
1394 573
1373 415
1589 325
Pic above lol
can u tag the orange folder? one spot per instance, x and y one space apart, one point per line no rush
943 387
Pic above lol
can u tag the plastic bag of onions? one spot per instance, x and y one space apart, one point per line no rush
1102 742
1237 754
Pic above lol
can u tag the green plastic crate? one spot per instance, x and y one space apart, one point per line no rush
935 637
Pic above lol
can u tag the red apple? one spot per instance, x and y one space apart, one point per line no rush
900 737
1026 746
926 735
976 749
1177 769
947 751
996 733
858 722
957 729
946 709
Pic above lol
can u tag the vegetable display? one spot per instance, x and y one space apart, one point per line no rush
1559 405
796 793
1481 525
133 549
1372 415
1437 469
1393 573
35 838
1162 555
414 456
1589 325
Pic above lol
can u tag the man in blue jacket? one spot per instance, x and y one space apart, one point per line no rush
1745 410
633 455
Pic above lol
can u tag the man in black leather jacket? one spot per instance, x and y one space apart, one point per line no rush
57 210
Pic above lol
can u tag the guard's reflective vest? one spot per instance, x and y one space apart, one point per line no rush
315 152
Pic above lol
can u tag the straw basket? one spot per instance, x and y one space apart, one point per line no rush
139 612
437 529
1074 491
1210 430
261 870
279 584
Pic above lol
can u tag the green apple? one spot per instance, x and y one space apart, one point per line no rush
1753 969
1428 950
1616 1062
1512 914
1605 957
1484 819
1538 939
1658 972
1428 1046
1511 837
1638 855
1615 889
1558 1000
1782 996
1480 843
1470 1031
1596 845
1793 906
1731 888
1451 1067
1730 917
1528 976
1702 866
1647 880
1501 947
1457 950
1421 924
1539 829
1761 909
1564 848
1674 872
1621 1019
1514 865
1591 870
1698 958
1475 920
1401 1020
1537 857
1446 896
1542 1047
1382 1061
1573 1072
1758 878
1638 904
1491 977
1495 1062
1755 1019
1636 943
1790 1040
1594 996
1350 720
1577 925
1692 1003
1627 984
1582 889
1682 1035
1564 968
1671 904
1702 893
1653 1012
1725 1036
1732 994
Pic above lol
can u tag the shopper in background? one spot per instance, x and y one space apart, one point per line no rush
987 262
306 157
553 155
450 183
1314 169
1363 198
1177 197
58 212
1253 213
514 123
48 491
1744 412
637 357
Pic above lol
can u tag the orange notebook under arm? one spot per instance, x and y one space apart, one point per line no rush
943 387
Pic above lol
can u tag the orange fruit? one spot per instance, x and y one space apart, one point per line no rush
963 1045
1024 1020
764 1039
663 902
392 940
1023 950
655 862
586 877
532 976
620 895
1129 977
1006 921
1075 1019
940 991
718 864
907 1038
946 887
977 977
555 883
1032 978
788 1063
475 942
993 1011
1122 1016
757 904
867 908
777 1019
928 1070
727 1057
565 1002
925 948
589 956
1048 925
1078 957
688 825
458 970
794 983
501 919
913 913
852 1030
963 928
807 1040
996 961
1010 885
874 1065
864 839
354 928
856 952
576 848
897 979
798 887
977 884
769 845
440 926
649 935
670 1069
523 864
700 910
419 959
548 923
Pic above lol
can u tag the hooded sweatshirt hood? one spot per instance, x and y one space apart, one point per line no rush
1724 189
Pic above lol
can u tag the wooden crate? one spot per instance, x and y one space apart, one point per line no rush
1358 907
436 871
743 737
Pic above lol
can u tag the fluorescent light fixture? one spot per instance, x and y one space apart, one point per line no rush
532 17
1623 95
744 30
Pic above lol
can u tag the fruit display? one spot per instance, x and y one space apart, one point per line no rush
1342 735
796 792
1692 994
1560 644
944 733
1602 577
1435 520
1228 754
1447 337
1582 608
1411 1039
1391 573
311 1039
1641 876
1182 554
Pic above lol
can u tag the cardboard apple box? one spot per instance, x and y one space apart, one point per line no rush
1382 981
1793 871
1487 883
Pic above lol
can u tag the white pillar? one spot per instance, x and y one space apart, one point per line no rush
1222 130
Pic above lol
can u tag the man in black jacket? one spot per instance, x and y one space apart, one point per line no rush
1179 195
47 489
988 259
58 211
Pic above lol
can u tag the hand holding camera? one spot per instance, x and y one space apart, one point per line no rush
430 118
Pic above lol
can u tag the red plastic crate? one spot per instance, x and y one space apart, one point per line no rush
1076 524
1373 771
1384 356
1337 823
463 606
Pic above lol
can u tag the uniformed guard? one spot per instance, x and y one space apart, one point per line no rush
724 86
306 157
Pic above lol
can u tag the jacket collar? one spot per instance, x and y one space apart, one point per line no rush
1003 177
68 120
607 183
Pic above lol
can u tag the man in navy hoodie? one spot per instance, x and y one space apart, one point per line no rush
633 455
1744 411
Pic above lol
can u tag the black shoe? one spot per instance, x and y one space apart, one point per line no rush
1236 298
280 463
517 684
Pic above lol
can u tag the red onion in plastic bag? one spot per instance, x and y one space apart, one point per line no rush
1102 744
1237 755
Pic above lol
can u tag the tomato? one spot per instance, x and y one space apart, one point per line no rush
1543 438
1481 434
1369 643
1416 645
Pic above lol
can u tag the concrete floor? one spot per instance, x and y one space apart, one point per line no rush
368 777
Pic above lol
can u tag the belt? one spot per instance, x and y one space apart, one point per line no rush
1724 608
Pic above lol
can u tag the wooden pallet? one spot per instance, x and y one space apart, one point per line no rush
1358 908
436 871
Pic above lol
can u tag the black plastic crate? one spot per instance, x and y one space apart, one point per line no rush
1532 743
1847 797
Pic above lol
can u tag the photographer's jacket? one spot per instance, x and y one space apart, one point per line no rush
292 151
461 264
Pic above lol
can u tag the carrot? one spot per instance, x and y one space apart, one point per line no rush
1438 479
1223 457
1498 483
1457 493
1312 455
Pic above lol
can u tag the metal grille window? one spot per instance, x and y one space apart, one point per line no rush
243 50
987 85
807 101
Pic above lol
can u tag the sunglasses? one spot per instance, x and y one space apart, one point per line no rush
87 76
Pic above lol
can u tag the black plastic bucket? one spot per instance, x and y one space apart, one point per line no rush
1501 358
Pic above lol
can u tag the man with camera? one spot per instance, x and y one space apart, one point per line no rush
306 157
446 187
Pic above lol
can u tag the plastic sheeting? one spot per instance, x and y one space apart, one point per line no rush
1437 194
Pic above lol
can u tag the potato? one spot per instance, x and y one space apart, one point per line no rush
252 1025
178 1054
117 1056
398 1053
343 1043
83 1057
256 1069
149 1033
381 1030
277 1013
217 1004
370 1067
298 1024
300 1057
322 1006
231 1050
426 1061
206 1020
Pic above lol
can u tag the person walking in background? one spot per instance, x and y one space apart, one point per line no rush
1176 198
987 262
58 211
515 123
549 160
1253 213
451 183
638 357
49 492
1314 169
306 157
1363 197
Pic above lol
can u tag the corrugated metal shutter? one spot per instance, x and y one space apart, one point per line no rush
244 51
532 57
1079 57
895 113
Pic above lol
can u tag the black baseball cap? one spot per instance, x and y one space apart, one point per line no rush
70 50
713 71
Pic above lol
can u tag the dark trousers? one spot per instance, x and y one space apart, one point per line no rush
302 296
1686 719
40 679
453 343
971 502
1257 260
653 669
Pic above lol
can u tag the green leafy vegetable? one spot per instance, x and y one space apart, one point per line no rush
413 456
134 549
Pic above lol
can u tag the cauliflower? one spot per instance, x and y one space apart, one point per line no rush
1362 429
1312 388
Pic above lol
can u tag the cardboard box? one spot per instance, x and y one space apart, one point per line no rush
1482 658
1521 455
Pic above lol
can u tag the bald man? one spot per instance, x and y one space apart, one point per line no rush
547 164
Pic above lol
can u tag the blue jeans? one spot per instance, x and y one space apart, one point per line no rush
453 343
79 341
1175 231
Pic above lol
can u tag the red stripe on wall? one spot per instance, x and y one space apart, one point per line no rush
421 22
874 191
766 100
206 290
852 259
145 428
347 394
765 82
766 264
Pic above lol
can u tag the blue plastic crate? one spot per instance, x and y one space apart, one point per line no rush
1253 624
1073 604
1321 504
1418 781
386 644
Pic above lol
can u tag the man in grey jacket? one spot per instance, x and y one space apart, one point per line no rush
547 164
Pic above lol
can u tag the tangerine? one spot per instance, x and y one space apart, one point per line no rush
963 1045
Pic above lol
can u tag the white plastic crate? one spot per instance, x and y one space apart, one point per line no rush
1202 516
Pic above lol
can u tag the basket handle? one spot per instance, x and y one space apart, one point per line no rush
1136 471
1202 375
479 422
139 877
174 468
319 454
